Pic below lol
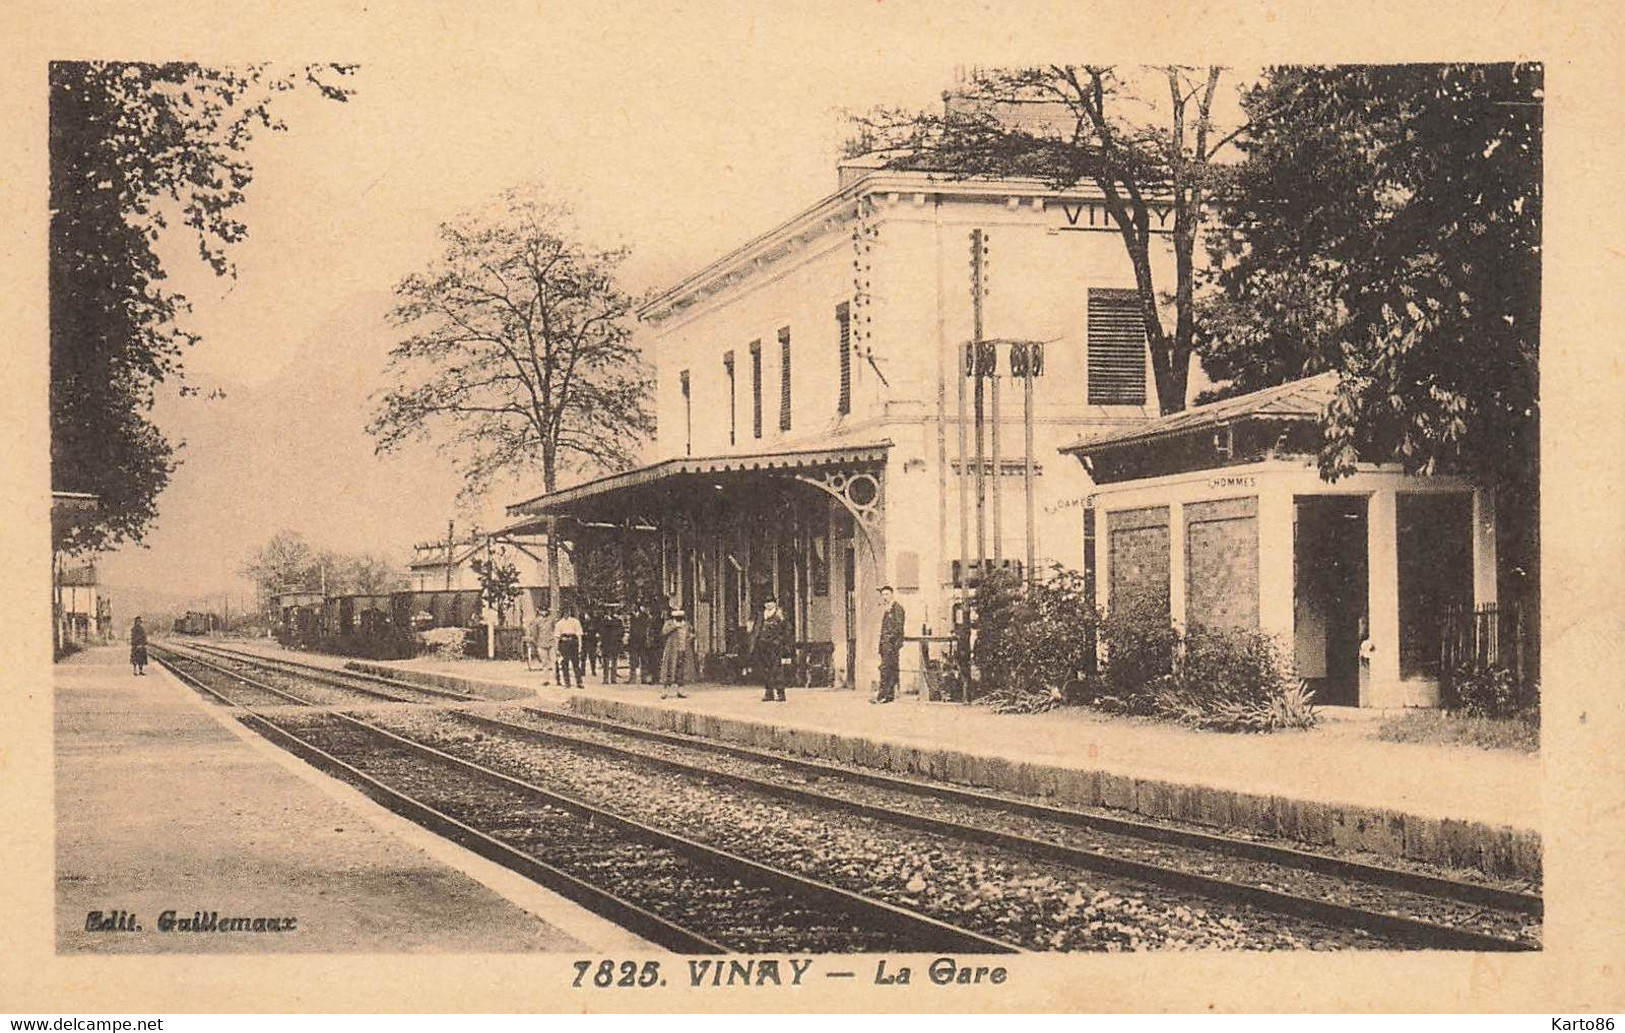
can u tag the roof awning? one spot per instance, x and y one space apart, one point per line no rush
597 498
1304 399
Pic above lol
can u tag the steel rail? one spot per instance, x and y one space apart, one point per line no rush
628 915
336 676
1322 864
1416 931
935 934
221 654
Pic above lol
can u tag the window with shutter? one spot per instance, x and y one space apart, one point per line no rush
1116 347
688 415
756 388
784 378
843 322
728 368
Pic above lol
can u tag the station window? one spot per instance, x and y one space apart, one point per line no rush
843 323
756 388
688 414
728 368
784 378
1116 347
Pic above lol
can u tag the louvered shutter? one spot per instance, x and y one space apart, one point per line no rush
756 388
1116 347
784 379
843 322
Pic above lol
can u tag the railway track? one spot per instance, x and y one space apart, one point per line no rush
349 685
684 895
1402 907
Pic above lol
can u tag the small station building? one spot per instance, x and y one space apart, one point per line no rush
1221 511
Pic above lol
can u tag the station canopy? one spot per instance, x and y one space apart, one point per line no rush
639 497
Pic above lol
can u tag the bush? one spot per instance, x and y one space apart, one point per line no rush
1140 641
446 643
1031 640
1491 692
1022 701
1233 681
1003 612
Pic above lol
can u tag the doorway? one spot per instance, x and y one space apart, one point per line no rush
1434 538
1330 553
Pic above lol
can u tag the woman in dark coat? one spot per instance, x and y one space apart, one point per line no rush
138 648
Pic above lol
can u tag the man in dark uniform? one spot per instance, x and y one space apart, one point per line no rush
610 632
636 633
773 652
892 619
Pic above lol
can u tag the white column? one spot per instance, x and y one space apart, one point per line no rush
1484 559
1276 513
1176 563
1103 559
1382 600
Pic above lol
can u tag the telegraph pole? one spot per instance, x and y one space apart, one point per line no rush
451 526
997 473
962 486
978 254
1033 358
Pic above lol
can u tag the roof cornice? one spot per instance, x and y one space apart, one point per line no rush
833 212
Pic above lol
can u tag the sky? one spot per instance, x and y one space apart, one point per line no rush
679 136
678 152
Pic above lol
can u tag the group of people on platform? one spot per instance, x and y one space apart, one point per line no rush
658 644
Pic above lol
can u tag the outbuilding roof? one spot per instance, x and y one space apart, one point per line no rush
1304 399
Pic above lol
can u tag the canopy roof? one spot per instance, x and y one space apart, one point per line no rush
646 482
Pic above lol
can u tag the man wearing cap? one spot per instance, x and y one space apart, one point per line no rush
892 619
773 651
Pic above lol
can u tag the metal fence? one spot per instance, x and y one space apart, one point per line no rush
1484 637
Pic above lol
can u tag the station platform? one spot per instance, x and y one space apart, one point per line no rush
1332 786
165 804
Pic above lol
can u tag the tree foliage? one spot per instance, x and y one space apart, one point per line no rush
288 563
499 584
518 351
1145 140
1386 223
133 148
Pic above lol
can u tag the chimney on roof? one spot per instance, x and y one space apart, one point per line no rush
853 169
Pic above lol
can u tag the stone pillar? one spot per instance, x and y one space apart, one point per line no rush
1485 583
1277 513
1382 601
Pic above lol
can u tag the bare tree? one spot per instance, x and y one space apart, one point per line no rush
1069 124
519 353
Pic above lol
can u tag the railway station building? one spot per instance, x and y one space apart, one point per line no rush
1221 511
809 429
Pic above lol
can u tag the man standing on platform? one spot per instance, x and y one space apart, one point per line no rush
892 621
541 644
568 634
774 652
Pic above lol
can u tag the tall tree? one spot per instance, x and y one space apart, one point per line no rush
1147 146
518 354
280 565
133 147
1386 223
370 573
